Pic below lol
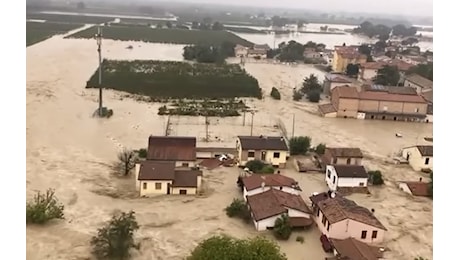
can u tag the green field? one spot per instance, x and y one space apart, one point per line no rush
37 32
79 19
177 36
170 79
244 30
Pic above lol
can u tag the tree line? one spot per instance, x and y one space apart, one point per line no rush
209 53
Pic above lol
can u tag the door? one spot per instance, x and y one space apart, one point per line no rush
407 157
264 155
168 190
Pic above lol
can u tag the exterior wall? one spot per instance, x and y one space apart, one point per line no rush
241 52
329 159
150 190
393 107
296 213
415 108
189 190
269 157
348 228
408 83
204 155
260 190
347 107
331 183
336 84
341 181
262 225
136 175
262 56
189 163
369 74
336 62
404 188
331 115
416 161
429 118
368 105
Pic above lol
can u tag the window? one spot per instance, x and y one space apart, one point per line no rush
251 154
328 173
324 220
348 160
363 234
427 161
144 185
361 184
385 108
182 192
372 117
157 185
374 234
333 180
185 164
276 155
317 212
328 225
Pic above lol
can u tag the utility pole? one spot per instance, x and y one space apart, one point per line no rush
252 121
99 43
244 117
293 124
207 128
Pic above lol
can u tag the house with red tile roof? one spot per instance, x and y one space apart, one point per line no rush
258 183
340 218
271 204
415 188
178 149
269 149
353 249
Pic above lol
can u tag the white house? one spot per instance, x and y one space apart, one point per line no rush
419 156
269 149
271 204
338 176
258 183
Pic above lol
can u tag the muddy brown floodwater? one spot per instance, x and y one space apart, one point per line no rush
70 151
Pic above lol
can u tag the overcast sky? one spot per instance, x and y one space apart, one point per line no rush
396 7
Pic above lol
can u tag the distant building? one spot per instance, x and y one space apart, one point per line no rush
419 156
418 82
263 47
340 218
155 177
253 53
344 55
258 183
241 51
269 149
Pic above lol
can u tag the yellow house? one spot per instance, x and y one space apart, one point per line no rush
344 55
419 156
269 149
155 178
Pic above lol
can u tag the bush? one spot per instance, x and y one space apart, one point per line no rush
43 208
297 96
299 145
320 149
267 169
126 161
142 153
314 96
300 239
115 240
275 94
255 165
282 228
224 247
375 177
238 209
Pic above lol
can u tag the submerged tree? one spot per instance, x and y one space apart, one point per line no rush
282 228
43 208
299 145
126 161
115 240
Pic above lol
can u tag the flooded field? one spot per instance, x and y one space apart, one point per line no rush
70 151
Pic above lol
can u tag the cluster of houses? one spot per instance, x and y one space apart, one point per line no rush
257 51
411 100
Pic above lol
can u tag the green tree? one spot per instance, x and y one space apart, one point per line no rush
352 70
297 95
228 248
310 83
255 165
314 96
239 209
267 169
424 70
366 50
387 76
282 228
299 145
275 94
126 161
320 149
380 46
228 49
375 177
115 240
142 153
43 208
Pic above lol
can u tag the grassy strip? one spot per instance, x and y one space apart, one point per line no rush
144 21
169 79
79 19
177 36
37 32
244 30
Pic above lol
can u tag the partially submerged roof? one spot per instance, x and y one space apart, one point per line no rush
353 249
420 81
155 170
336 78
263 143
270 180
340 208
171 148
346 92
350 171
347 152
274 202
425 150
418 188
326 109
186 178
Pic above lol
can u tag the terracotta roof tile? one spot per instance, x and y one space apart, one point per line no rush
425 150
326 109
274 202
418 188
263 143
420 81
385 96
255 181
337 78
154 170
186 178
350 171
340 208
353 249
346 92
171 148
345 152
300 222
